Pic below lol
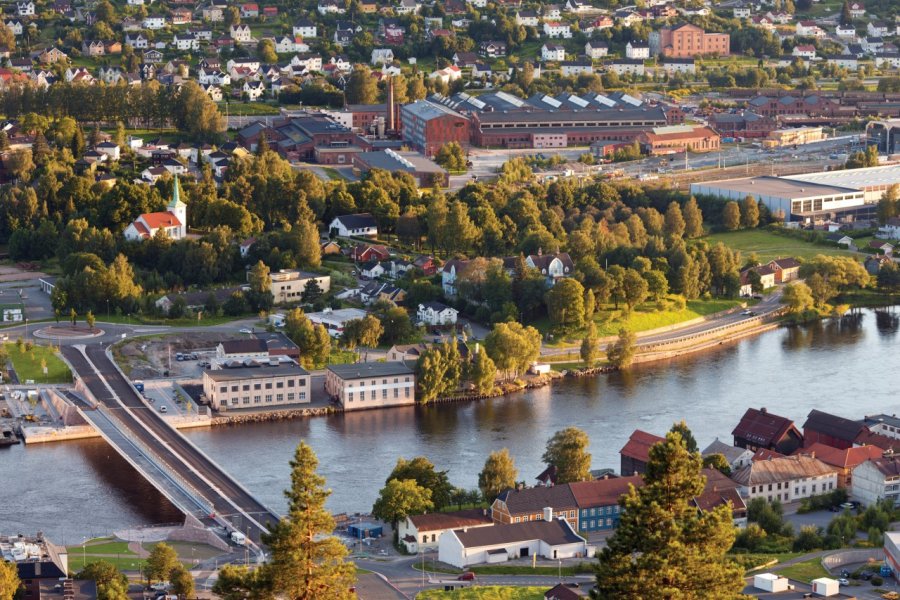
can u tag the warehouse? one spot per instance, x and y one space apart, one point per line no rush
426 172
427 126
873 181
795 200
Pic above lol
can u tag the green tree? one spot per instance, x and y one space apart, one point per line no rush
589 346
565 304
620 353
438 372
717 462
20 163
749 213
361 88
687 437
798 297
265 50
731 216
111 584
675 224
513 347
499 474
693 219
161 561
567 451
452 157
240 583
482 373
307 561
312 340
400 498
9 580
634 289
663 547
182 582
426 475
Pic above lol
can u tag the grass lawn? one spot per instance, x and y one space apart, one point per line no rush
487 592
768 245
643 318
332 173
183 322
28 364
805 571
754 561
341 357
249 109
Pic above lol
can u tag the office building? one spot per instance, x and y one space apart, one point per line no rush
371 385
256 387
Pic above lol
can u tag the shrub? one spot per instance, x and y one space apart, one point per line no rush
877 580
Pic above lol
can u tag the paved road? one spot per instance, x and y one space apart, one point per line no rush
768 305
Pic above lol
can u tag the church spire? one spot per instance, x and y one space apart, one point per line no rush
176 196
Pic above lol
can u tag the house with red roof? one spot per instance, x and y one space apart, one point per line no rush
844 460
173 220
760 429
636 452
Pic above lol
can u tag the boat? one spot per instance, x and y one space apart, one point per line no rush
8 437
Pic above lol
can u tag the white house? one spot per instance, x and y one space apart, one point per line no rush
213 77
737 458
331 7
846 32
875 480
436 313
173 220
154 22
552 12
334 320
553 52
573 68
556 29
372 269
624 66
551 539
362 224
241 34
680 65
109 149
857 10
137 41
185 42
877 29
15 26
551 266
422 532
382 56
253 89
305 29
527 18
450 273
787 478
447 75
807 51
596 49
892 60
25 9
809 29
741 12
637 50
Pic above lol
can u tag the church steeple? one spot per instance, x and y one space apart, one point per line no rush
176 196
178 208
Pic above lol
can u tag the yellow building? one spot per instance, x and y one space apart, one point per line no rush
794 136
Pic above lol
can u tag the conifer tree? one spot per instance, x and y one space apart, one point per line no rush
663 547
308 562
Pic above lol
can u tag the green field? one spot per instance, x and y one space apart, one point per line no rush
488 592
805 571
28 364
768 246
643 318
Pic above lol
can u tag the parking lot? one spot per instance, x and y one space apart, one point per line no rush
165 395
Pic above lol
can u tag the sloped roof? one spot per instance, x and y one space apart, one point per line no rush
638 445
358 221
762 427
846 458
530 500
155 220
787 468
554 533
731 453
451 520
247 346
603 492
833 425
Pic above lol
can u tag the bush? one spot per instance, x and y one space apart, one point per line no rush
877 580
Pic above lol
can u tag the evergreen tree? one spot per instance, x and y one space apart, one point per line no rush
674 224
589 346
693 219
846 17
731 216
687 437
567 451
749 212
307 561
663 547
499 474
40 149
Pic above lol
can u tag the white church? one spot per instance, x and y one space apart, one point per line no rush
173 221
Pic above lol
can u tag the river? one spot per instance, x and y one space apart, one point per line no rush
82 488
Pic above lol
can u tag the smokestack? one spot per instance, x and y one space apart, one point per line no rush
390 105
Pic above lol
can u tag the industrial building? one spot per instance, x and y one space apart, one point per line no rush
873 181
885 135
256 386
427 126
673 139
795 200
371 385
426 172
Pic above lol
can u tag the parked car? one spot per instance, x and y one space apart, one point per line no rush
245 330
844 581
163 409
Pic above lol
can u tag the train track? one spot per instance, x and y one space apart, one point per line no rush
206 478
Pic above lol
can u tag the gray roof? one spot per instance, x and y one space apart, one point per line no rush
412 162
255 372
554 533
891 420
426 110
370 369
731 453
530 500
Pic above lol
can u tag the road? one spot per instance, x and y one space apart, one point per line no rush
768 305
182 457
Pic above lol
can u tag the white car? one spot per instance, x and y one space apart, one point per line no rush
246 330
844 581
161 586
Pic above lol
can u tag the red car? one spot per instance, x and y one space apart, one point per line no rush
467 576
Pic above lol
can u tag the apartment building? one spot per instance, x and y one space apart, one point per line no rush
687 41
371 385
288 285
265 386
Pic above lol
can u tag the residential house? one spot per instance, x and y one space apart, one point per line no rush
599 23
596 49
844 460
447 75
364 253
806 51
386 292
25 9
527 18
762 429
552 12
334 320
787 478
550 539
721 490
878 29
422 532
528 504
562 591
882 247
241 34
492 49
636 452
574 68
15 25
597 501
185 42
857 10
361 386
766 278
436 313
577 6
552 266
407 7
847 32
154 22
253 90
213 13
842 239
407 352
305 28
883 424
371 269
557 29
831 430
626 66
249 10
680 65
465 60
637 49
450 273
93 48
331 7
785 269
553 52
737 458
382 56
425 264
138 41
180 16
240 349
359 225
809 29
876 480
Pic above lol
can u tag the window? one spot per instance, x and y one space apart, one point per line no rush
279 384
290 383
290 397
223 389
279 397
350 397
373 394
246 387
256 399
384 394
302 395
234 388
396 393
257 386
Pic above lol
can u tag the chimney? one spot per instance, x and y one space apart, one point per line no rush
763 410
389 122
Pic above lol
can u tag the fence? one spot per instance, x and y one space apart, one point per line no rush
852 557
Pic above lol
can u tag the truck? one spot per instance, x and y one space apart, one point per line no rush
238 538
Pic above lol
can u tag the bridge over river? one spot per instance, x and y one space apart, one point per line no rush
190 479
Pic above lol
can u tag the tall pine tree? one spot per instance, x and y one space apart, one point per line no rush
664 548
308 562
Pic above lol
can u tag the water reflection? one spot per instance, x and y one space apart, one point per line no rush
887 322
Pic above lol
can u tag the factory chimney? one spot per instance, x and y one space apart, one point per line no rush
389 121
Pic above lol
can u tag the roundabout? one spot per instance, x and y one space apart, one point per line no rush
68 332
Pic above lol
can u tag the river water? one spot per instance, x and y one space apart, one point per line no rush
848 367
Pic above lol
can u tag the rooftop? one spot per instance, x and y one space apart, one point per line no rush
784 187
762 427
787 468
531 500
844 459
244 346
638 445
603 492
389 160
832 425
370 369
284 369
451 520
856 179
553 532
